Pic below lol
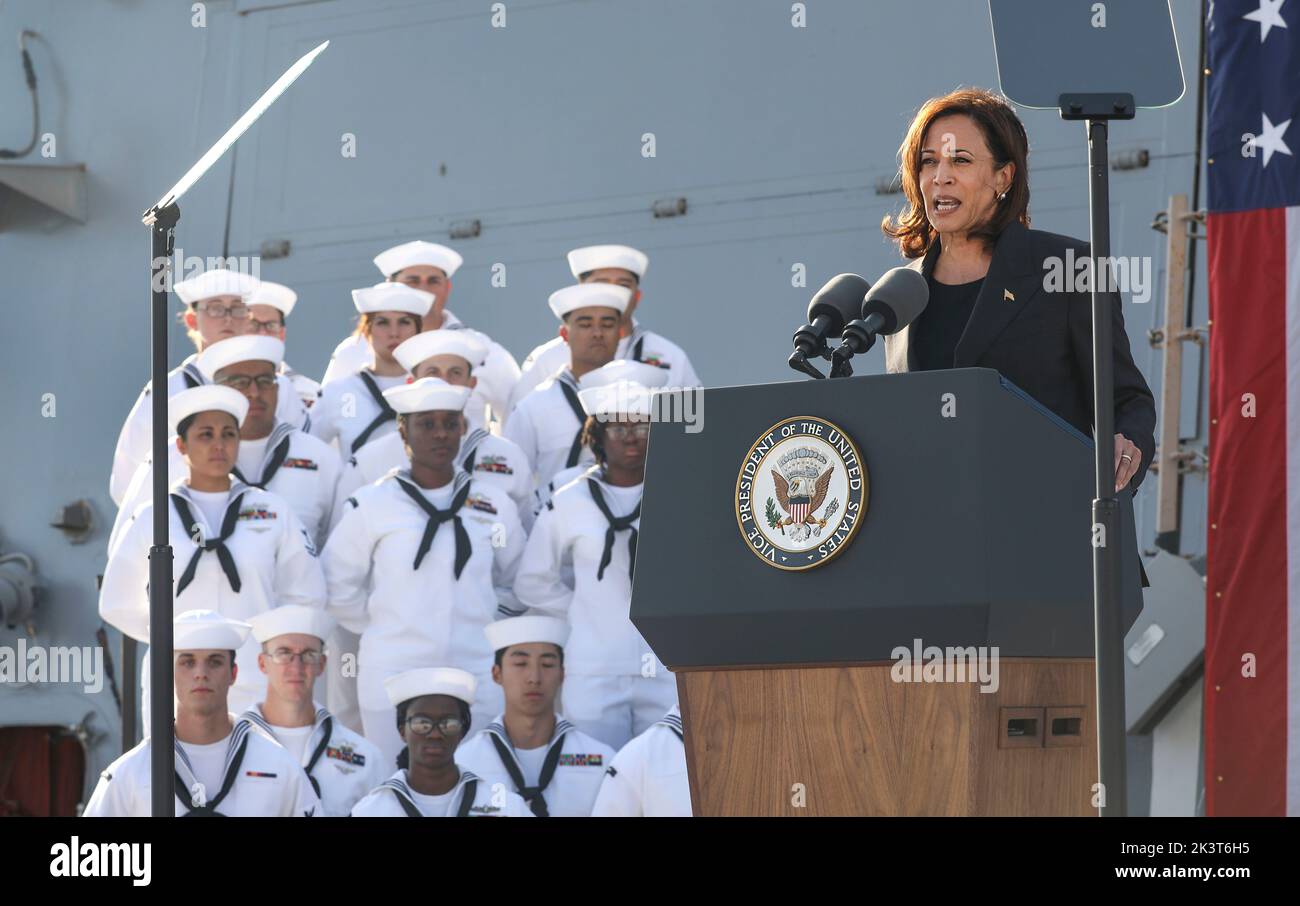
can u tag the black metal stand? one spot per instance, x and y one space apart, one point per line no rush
1112 773
162 758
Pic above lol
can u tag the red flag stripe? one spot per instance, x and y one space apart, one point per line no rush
1247 606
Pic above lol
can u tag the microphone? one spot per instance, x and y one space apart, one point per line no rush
834 304
894 302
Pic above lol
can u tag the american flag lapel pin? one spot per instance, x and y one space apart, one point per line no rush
1008 296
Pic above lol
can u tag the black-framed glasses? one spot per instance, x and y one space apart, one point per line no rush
256 326
640 431
283 656
424 726
242 382
219 310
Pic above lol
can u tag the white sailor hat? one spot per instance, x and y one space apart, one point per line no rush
418 251
430 343
292 618
276 295
205 398
216 282
620 370
201 630
392 297
594 257
430 681
522 630
586 295
617 400
426 395
246 348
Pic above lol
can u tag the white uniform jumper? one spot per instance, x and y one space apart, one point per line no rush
640 346
244 775
488 459
420 592
557 780
648 778
258 556
352 411
298 467
615 686
547 426
471 797
341 766
496 376
134 443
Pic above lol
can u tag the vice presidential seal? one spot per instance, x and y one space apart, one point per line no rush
801 493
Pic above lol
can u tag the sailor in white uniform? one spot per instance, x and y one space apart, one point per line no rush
648 778
618 370
553 765
238 550
269 306
433 716
273 456
217 310
621 266
223 766
422 560
452 356
351 410
547 423
615 686
429 266
341 765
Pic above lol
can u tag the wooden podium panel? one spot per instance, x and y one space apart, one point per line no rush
849 740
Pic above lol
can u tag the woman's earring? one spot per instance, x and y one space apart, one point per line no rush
1002 196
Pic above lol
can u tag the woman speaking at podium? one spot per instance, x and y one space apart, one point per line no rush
964 174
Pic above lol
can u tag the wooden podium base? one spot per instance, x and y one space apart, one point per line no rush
850 740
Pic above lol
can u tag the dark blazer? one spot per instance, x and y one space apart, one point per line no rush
1042 341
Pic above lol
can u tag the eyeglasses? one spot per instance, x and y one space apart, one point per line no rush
424 726
242 382
257 326
284 657
624 432
220 310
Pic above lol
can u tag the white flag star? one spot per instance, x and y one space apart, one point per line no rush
1270 138
1268 15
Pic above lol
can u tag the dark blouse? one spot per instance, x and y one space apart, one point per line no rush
935 333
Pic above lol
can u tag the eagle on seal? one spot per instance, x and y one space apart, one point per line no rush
801 498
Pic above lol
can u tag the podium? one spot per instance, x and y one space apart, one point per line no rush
933 658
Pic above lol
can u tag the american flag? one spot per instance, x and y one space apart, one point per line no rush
1252 640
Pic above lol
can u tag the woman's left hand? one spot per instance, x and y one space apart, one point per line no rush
1127 457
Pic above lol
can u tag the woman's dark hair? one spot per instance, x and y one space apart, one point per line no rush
364 322
593 436
183 426
1003 133
404 756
